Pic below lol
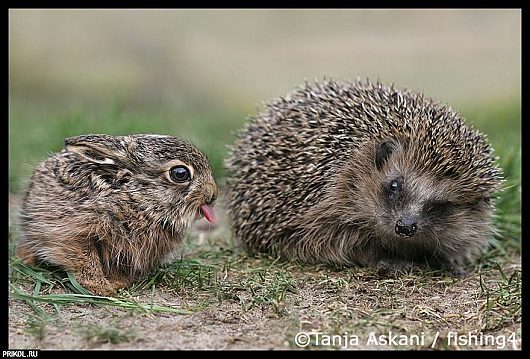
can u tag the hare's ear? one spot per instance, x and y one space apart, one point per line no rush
96 148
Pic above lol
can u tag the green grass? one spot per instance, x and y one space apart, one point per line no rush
34 133
503 300
181 275
44 280
206 278
502 124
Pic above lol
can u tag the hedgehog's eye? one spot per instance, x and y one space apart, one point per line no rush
180 174
394 186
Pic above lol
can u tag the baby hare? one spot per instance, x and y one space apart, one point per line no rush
111 209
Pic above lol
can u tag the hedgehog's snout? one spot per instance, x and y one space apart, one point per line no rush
406 226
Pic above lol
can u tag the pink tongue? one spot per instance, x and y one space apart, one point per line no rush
208 213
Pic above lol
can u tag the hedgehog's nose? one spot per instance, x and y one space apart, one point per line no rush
406 226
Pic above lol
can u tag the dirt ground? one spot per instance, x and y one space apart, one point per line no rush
238 302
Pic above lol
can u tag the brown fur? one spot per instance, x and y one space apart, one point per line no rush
105 209
309 179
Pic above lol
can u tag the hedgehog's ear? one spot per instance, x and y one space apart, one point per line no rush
96 148
383 152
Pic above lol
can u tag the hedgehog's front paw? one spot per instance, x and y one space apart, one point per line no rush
388 266
459 272
454 270
454 267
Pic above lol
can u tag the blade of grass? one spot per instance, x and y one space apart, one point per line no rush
36 290
91 299
503 275
152 301
76 286
39 311
57 308
29 272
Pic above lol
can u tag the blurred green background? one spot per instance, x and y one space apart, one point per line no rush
198 74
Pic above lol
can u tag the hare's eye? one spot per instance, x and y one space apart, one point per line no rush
180 174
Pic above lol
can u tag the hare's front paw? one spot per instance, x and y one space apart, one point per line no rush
102 286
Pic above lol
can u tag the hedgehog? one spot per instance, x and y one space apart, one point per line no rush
351 173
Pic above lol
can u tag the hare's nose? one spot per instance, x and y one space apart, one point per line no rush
213 192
